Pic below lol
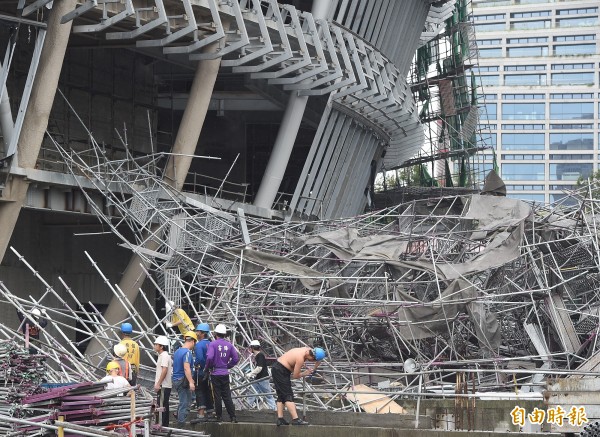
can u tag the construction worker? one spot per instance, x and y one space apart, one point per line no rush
183 380
289 366
133 351
261 373
113 379
179 318
204 400
120 351
31 327
163 379
220 357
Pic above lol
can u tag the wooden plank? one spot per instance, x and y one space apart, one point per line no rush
373 401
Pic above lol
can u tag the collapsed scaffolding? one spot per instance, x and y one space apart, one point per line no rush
417 294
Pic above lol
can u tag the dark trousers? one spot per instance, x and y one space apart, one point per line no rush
204 396
222 392
163 417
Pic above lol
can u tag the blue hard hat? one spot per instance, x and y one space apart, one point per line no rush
126 328
319 353
203 327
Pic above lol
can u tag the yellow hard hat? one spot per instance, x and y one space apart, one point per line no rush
112 365
191 334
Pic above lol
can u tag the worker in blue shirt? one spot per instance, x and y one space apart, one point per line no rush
183 380
204 399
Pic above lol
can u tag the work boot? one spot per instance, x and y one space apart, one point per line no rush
282 421
299 421
234 419
199 419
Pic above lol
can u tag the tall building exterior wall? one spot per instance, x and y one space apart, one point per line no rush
539 64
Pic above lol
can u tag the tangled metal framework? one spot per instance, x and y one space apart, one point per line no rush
484 284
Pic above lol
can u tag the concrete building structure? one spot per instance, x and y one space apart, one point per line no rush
539 63
289 108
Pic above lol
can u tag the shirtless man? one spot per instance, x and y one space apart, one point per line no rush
289 366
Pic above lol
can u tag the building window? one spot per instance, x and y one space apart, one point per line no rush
523 126
564 187
566 38
489 17
530 25
525 187
490 53
572 66
571 126
524 68
571 111
485 69
580 11
564 199
571 157
525 79
531 40
575 49
512 157
541 198
570 171
572 96
489 27
573 78
523 52
572 141
523 141
523 111
490 97
488 111
489 42
523 96
486 139
523 172
530 14
577 22
490 80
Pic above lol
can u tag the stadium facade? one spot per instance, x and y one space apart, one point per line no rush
285 110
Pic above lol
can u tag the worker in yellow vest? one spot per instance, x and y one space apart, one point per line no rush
133 351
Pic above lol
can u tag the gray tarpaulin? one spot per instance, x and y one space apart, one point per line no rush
347 245
502 249
490 213
310 278
420 320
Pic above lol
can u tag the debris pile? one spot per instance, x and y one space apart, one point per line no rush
416 293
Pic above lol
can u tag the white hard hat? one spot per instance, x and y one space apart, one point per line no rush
169 305
120 350
162 340
221 329
255 343
36 312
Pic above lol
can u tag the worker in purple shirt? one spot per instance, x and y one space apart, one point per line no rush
221 357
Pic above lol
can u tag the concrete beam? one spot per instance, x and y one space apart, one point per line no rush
36 118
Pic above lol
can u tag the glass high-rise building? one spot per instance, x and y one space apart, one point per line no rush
539 64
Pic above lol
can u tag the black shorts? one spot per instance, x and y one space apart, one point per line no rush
282 379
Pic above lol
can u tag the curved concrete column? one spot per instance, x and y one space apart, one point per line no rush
288 131
36 118
176 171
6 121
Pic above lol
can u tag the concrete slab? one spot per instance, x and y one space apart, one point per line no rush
261 430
